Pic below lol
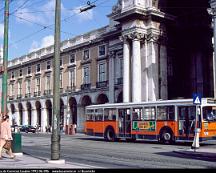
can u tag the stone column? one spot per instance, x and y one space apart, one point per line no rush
34 117
136 69
111 76
144 71
152 68
17 117
163 72
25 117
43 119
80 118
126 73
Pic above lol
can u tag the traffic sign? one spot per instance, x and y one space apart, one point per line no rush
197 99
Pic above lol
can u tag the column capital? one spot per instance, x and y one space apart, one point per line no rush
152 37
112 53
212 10
136 36
124 38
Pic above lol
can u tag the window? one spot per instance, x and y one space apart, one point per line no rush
37 88
61 62
38 68
28 86
110 114
48 65
29 70
149 113
166 113
98 114
86 74
12 89
12 75
209 113
137 114
47 84
86 55
102 50
187 112
72 77
121 67
186 116
20 72
90 115
19 87
72 58
102 72
61 80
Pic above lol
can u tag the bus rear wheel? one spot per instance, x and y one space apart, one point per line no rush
110 135
166 136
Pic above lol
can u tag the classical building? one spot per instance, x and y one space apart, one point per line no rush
151 49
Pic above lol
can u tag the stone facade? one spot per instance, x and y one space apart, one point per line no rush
151 49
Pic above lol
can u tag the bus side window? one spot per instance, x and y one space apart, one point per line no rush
166 113
135 116
90 117
113 117
105 117
148 113
98 117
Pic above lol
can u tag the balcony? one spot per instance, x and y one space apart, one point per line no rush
19 96
11 97
47 92
85 86
102 84
37 93
27 95
71 88
60 90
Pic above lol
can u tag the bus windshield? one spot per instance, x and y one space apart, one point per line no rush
209 113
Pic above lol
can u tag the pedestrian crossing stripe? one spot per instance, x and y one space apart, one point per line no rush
197 100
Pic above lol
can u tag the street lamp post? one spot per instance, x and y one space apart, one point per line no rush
212 12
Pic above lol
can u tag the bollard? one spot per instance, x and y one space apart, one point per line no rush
16 145
195 144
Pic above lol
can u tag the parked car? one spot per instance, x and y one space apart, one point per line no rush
27 129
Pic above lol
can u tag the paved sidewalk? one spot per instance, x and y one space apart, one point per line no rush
200 152
26 161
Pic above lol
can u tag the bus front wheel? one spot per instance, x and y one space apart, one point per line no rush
110 135
166 136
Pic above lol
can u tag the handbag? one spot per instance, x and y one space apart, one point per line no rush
7 145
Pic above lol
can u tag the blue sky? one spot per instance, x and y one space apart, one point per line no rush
29 19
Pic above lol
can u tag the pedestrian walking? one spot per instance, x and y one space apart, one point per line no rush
6 137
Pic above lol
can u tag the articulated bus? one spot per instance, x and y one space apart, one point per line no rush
166 121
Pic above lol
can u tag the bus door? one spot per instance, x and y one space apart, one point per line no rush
186 121
124 123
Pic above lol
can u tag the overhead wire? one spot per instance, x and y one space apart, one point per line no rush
45 27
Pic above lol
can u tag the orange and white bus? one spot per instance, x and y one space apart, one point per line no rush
166 121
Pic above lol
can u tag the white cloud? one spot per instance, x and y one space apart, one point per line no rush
1 30
45 42
24 16
45 18
34 46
